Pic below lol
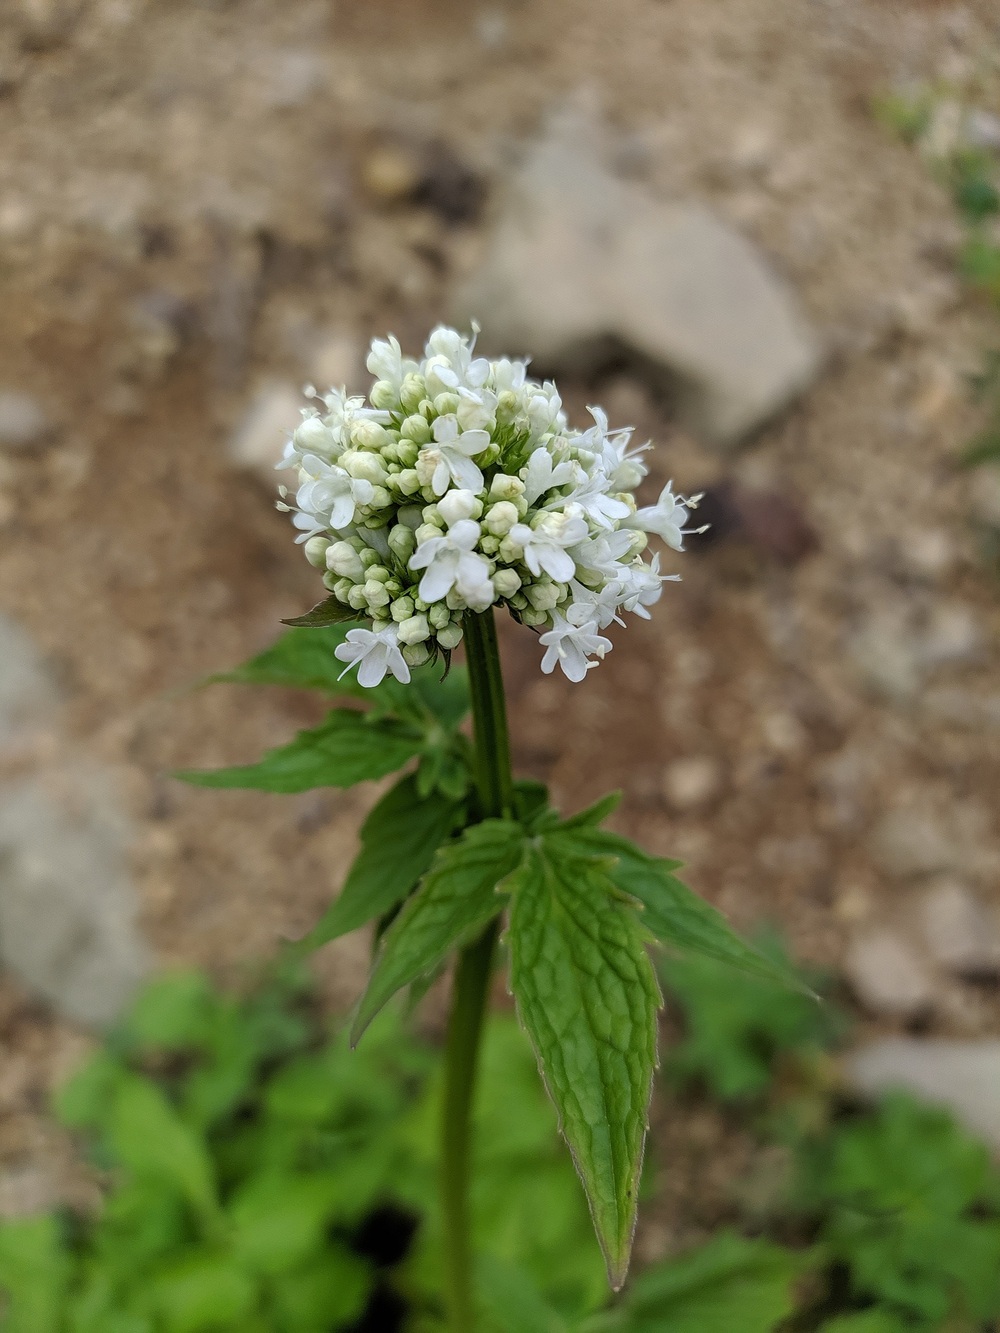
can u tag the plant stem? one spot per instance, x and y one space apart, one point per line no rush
494 786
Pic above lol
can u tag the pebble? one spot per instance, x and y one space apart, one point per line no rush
963 1076
887 975
23 420
259 439
68 910
691 782
29 693
958 931
670 281
909 843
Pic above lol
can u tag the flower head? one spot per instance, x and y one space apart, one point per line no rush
459 484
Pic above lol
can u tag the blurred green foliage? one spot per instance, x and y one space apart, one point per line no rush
261 1177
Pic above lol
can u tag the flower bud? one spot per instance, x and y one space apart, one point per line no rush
416 654
368 435
510 551
500 518
363 466
446 404
545 596
416 429
402 609
381 499
504 487
356 597
456 505
450 635
489 545
439 615
482 596
368 557
383 395
411 516
402 542
531 617
411 393
315 551
506 582
408 481
378 574
376 594
314 437
427 532
342 589
343 560
507 405
330 582
414 630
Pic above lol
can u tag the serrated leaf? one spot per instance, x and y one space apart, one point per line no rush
331 611
454 902
398 842
300 659
672 912
531 803
586 993
347 748
594 814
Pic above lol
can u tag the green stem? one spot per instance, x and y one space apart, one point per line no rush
494 786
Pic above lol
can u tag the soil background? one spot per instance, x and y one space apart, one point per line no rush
197 199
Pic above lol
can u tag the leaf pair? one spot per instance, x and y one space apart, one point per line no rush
419 719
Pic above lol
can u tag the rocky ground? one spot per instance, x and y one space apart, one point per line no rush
204 204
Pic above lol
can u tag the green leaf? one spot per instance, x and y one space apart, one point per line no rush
173 1012
204 1292
300 659
34 1274
594 814
454 902
510 1302
153 1143
728 1284
332 611
531 804
866 1321
398 842
672 913
588 998
347 748
279 1221
327 1294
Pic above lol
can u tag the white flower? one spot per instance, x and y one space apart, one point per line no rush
386 362
666 518
642 586
545 545
328 497
541 474
449 362
571 646
451 562
591 494
451 458
601 606
373 652
602 555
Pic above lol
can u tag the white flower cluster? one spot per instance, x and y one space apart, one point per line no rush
458 485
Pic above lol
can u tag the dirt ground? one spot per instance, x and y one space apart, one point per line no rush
188 207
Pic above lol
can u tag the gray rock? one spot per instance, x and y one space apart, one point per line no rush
887 975
908 843
260 437
963 1076
23 420
958 931
68 910
29 694
578 260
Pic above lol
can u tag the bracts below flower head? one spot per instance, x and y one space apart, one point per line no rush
457 485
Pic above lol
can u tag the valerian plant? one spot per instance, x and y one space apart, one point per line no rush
458 487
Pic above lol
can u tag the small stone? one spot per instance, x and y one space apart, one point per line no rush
23 420
390 174
910 843
29 695
951 635
928 553
68 911
963 1076
887 975
958 931
886 655
260 437
692 782
610 265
